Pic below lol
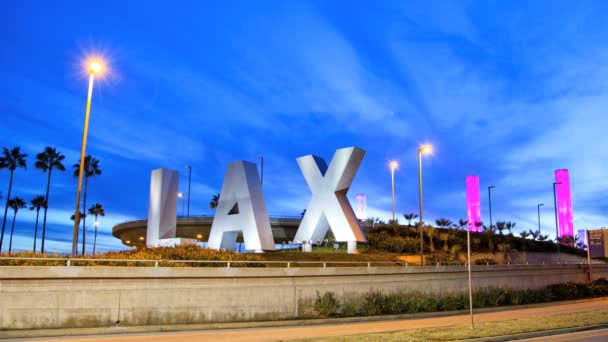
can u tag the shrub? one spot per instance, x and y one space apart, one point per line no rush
373 303
187 252
383 241
326 305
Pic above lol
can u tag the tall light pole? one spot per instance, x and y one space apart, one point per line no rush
490 202
469 274
556 224
422 149
95 66
189 167
538 208
393 165
261 157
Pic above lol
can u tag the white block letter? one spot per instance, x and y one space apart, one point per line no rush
329 207
241 208
162 210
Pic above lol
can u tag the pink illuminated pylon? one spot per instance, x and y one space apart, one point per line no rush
473 203
564 203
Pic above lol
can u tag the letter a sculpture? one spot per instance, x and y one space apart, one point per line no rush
329 206
241 207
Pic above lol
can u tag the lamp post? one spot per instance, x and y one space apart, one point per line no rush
422 149
181 195
393 165
490 202
538 208
261 157
556 224
95 66
189 167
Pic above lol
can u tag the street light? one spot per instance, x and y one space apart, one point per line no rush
423 149
538 208
181 195
95 66
556 225
189 167
393 165
261 157
490 203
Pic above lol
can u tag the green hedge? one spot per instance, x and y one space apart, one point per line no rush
378 303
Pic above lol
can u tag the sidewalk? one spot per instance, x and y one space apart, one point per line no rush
285 330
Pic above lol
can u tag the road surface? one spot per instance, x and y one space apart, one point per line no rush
581 336
295 332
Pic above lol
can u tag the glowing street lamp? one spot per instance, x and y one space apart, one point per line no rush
181 195
95 66
393 165
423 149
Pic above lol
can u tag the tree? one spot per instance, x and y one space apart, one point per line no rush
500 226
96 210
508 226
16 204
409 217
430 233
303 213
443 223
462 224
47 161
535 234
37 203
91 168
80 214
214 201
10 160
489 232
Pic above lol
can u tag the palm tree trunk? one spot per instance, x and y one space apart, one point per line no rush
36 229
8 197
84 215
48 187
10 242
95 238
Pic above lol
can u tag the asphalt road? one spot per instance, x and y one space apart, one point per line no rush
295 332
600 335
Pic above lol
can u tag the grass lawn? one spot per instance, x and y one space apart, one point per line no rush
327 253
487 329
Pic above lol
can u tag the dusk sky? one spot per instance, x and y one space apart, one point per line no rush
506 90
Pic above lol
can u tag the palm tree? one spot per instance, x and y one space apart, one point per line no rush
46 161
409 217
500 226
462 223
11 160
81 214
535 234
91 168
430 233
215 200
37 203
443 223
97 210
510 225
15 203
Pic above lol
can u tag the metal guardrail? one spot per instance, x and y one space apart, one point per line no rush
243 263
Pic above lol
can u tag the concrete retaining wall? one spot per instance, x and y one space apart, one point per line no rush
58 297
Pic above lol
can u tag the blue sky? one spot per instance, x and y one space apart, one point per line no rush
507 90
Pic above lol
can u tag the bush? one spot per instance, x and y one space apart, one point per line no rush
327 305
377 303
383 241
167 254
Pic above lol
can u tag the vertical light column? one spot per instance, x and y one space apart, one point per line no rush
360 201
162 210
564 203
473 203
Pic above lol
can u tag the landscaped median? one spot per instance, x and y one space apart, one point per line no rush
524 327
378 303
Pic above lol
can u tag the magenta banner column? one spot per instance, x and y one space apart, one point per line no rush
473 203
564 203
